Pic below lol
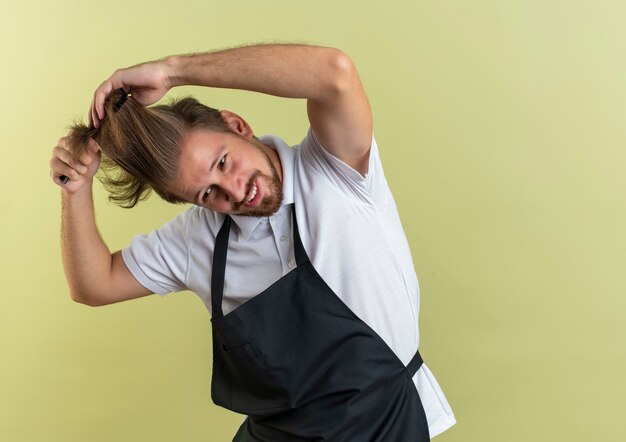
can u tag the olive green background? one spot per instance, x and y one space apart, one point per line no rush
501 129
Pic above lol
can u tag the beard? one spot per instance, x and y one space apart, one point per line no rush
272 195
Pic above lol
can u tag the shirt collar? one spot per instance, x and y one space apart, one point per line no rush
247 224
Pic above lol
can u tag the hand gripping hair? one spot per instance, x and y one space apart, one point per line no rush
123 97
140 145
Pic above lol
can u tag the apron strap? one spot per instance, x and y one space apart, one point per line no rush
298 248
219 267
415 363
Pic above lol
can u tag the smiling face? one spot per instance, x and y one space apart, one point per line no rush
230 173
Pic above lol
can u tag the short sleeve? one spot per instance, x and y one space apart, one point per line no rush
372 187
159 259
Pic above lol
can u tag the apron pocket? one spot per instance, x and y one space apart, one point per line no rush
251 386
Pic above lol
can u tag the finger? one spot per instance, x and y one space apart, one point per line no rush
94 145
67 158
90 155
92 111
101 95
94 114
89 118
62 179
60 168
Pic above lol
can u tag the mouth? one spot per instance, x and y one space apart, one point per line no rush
253 197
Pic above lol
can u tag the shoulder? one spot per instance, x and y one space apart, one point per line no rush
319 169
188 225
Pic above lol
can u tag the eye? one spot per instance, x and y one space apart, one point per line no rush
206 194
220 165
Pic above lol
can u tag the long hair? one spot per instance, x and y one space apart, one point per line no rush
141 145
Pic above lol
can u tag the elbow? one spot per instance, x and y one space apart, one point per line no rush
82 298
343 75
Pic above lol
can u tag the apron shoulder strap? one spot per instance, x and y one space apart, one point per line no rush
298 248
219 267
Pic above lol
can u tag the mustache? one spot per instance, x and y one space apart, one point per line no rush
248 189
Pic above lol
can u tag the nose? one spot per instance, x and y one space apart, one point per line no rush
233 187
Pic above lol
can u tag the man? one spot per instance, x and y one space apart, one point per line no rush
298 253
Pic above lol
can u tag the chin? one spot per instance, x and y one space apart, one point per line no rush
267 207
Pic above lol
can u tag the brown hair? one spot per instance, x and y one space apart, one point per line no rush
141 145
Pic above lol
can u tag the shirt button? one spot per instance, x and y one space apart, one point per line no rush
291 263
282 238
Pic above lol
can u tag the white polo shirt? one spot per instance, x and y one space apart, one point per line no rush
351 230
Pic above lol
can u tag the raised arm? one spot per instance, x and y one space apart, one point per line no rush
337 106
94 275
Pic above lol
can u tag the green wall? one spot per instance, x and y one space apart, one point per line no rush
500 128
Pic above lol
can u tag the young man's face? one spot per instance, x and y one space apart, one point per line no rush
229 173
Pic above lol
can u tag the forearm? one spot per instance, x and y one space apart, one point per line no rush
284 70
86 258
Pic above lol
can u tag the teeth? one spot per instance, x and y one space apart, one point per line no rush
253 194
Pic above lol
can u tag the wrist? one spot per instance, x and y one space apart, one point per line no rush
83 193
173 70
